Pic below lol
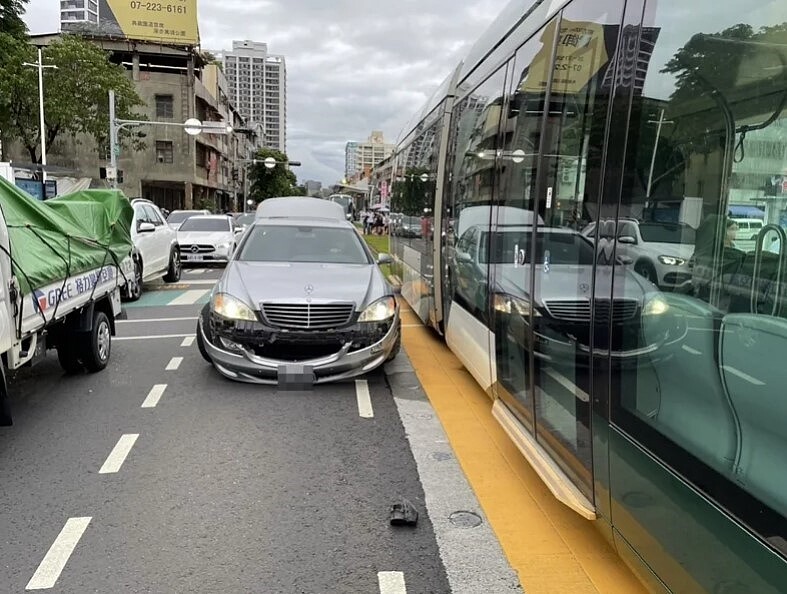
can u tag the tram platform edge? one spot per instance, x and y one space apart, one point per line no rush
551 548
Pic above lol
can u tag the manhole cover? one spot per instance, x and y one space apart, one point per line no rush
465 519
440 456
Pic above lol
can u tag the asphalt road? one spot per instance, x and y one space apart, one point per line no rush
158 475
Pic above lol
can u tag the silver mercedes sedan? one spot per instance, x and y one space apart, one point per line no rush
302 301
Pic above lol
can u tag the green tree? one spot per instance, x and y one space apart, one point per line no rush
76 94
271 183
11 22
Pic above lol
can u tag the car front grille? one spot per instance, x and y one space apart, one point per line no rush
308 316
201 249
579 310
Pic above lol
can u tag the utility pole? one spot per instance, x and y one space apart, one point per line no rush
42 126
661 121
113 143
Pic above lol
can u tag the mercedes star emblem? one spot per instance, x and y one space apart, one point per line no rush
195 248
309 289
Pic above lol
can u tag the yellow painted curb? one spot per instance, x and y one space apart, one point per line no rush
551 548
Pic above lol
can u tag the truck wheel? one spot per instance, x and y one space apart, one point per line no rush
96 345
5 408
173 272
68 356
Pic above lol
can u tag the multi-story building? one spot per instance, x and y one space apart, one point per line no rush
77 13
350 159
258 87
172 169
312 187
361 157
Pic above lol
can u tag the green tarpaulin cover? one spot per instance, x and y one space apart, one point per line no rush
64 236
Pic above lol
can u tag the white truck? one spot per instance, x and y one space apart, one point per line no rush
75 315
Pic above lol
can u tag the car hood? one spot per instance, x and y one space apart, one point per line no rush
255 282
568 281
207 237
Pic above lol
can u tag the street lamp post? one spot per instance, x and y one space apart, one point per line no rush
40 65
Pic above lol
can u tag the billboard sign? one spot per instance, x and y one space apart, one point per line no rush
581 54
172 22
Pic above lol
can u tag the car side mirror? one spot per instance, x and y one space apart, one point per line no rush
625 260
146 228
383 258
627 239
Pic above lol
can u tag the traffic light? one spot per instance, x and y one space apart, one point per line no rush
234 174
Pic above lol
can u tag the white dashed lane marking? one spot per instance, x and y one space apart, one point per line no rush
157 320
744 376
119 454
188 341
195 271
155 394
688 349
364 399
56 558
151 337
174 363
189 297
200 281
391 582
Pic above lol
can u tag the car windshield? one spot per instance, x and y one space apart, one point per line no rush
179 217
205 224
285 243
666 233
564 248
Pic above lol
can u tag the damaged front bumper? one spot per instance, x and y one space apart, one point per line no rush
254 353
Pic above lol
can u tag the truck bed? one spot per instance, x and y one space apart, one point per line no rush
56 300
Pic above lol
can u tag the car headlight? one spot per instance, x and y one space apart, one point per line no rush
655 306
231 308
223 246
381 310
509 304
672 261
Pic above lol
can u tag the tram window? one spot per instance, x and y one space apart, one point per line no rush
472 173
710 400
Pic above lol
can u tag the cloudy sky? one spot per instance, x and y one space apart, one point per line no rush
352 67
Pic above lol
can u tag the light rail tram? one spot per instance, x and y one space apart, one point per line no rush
637 357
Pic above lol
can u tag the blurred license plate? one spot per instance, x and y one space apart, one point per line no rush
195 257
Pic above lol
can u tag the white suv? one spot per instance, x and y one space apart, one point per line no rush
658 251
156 251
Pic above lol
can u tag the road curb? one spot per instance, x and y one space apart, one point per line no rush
473 558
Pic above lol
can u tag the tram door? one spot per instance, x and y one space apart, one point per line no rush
545 268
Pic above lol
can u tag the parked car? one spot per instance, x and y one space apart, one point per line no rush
243 221
749 229
177 217
302 298
156 254
659 251
408 227
207 238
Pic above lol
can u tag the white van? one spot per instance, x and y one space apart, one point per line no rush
749 229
